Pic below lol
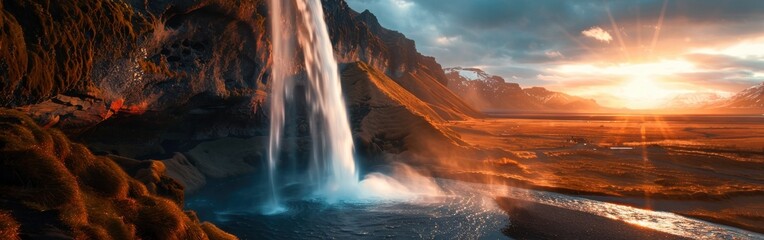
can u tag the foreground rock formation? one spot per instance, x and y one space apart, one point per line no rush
52 188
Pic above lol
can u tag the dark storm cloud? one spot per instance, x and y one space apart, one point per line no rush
525 38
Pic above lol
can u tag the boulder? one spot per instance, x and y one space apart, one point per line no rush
227 157
180 169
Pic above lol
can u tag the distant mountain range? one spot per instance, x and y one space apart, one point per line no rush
694 100
490 93
749 100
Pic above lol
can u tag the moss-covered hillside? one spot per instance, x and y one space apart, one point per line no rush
51 187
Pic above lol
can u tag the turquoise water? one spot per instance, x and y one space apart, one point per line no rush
464 211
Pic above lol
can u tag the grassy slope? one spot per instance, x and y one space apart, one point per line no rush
50 186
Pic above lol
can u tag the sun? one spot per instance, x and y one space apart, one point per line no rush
642 92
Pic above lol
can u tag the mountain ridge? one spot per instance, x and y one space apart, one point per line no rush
749 98
491 93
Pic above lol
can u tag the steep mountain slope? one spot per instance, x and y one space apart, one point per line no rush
750 98
390 119
492 93
360 37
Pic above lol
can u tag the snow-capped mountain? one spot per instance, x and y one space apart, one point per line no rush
750 98
549 97
694 100
488 92
469 74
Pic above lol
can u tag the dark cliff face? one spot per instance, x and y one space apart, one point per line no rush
158 54
51 47
360 37
155 55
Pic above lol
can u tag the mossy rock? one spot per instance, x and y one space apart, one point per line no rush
79 159
36 179
93 232
159 218
214 233
105 178
9 228
90 197
61 146
15 137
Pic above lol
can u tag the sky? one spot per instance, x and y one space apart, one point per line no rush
633 53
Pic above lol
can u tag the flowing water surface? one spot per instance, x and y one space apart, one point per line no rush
464 211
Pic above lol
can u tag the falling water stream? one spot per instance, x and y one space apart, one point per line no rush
300 25
332 173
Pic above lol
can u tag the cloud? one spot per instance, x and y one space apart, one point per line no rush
553 54
598 33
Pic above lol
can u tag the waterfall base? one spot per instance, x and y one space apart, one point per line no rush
402 184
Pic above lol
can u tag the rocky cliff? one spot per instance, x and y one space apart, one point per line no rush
159 54
192 69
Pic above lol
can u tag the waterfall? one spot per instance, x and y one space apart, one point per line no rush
299 25
299 33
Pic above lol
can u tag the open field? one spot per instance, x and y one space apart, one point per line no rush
709 167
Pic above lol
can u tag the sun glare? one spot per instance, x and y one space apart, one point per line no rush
634 85
642 92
